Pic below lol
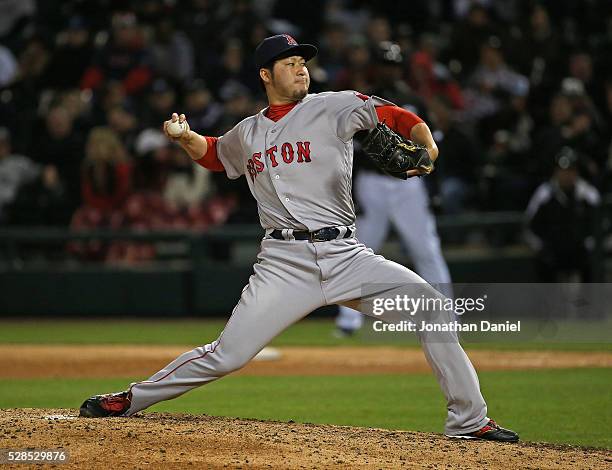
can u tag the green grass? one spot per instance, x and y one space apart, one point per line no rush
563 336
571 406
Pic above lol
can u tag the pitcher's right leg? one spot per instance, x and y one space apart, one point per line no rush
284 289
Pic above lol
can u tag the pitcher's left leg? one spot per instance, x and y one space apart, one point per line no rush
456 376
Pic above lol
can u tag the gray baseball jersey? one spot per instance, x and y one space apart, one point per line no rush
299 170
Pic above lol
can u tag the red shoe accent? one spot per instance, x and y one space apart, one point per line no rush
116 403
483 430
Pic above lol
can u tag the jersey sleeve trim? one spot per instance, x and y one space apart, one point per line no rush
399 119
210 160
374 102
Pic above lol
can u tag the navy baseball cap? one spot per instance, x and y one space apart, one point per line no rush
281 45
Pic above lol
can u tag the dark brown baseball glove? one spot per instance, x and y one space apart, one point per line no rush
395 155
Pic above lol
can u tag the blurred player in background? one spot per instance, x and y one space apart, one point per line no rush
561 219
385 201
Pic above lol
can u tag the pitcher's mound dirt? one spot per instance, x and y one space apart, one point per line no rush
187 441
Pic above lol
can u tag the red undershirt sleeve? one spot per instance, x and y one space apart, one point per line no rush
210 159
399 119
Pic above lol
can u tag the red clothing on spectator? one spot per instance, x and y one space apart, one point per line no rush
136 80
426 84
126 63
109 202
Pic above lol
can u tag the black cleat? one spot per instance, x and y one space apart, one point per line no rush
490 432
111 404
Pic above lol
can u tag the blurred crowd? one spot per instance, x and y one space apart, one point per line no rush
86 85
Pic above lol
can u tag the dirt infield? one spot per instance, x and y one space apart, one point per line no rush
184 441
95 361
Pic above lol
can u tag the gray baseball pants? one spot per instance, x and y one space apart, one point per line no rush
290 280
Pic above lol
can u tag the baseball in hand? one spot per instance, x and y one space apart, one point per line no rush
176 128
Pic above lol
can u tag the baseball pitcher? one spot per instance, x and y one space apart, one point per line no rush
297 156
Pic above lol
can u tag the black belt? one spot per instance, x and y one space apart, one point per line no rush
322 235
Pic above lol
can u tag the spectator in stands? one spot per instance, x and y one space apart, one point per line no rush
33 61
608 103
549 139
106 171
607 186
457 172
234 197
513 116
353 20
197 20
537 55
378 30
467 37
125 123
8 66
106 184
492 81
172 52
580 67
355 75
59 145
237 104
428 77
15 17
125 58
15 171
389 78
231 68
553 78
203 111
539 47
496 102
503 180
161 103
506 134
78 104
187 185
111 95
572 123
20 94
42 201
586 128
71 57
561 219
169 192
152 160
333 50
